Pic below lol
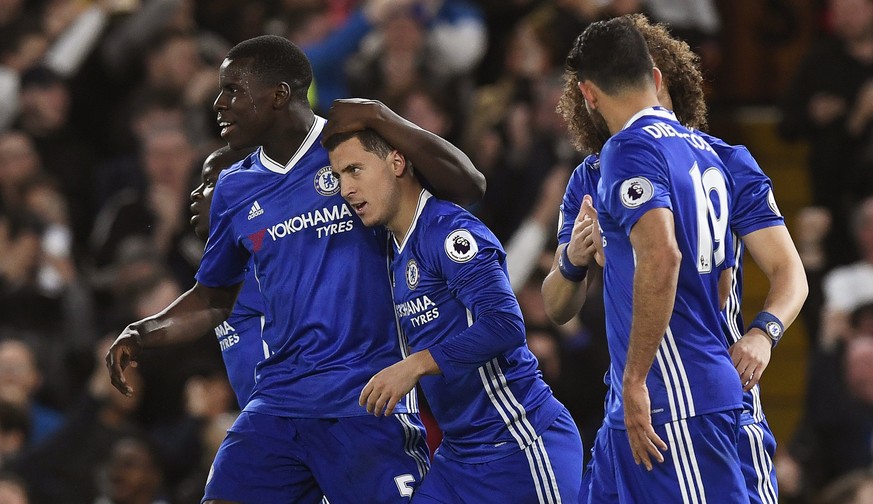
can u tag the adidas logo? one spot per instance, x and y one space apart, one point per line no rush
255 210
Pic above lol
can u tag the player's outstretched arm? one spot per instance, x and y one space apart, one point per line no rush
564 288
773 251
187 318
654 292
447 168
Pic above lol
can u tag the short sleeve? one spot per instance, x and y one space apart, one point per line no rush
224 260
754 205
634 180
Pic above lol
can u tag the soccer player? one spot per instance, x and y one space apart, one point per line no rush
755 220
663 207
506 437
240 335
328 322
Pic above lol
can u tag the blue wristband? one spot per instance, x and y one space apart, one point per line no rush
771 325
569 270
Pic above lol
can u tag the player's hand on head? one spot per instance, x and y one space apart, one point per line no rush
751 355
121 354
645 443
351 114
388 387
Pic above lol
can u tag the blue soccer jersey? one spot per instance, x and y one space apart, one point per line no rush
583 181
754 208
655 162
452 296
240 339
328 325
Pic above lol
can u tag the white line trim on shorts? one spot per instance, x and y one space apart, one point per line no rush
412 443
762 463
685 459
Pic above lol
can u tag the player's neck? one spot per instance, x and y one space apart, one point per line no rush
401 222
626 105
286 138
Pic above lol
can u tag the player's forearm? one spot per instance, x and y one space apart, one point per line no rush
447 168
190 316
654 294
563 298
491 335
774 252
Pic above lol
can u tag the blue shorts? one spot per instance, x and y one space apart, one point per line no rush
547 471
756 447
266 458
700 465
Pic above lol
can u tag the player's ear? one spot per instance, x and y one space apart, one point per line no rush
282 95
589 91
398 163
658 78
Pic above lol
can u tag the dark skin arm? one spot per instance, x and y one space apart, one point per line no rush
447 168
190 316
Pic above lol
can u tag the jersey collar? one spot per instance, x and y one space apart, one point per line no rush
423 196
311 138
651 111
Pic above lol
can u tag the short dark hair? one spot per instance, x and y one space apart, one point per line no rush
276 59
612 54
370 140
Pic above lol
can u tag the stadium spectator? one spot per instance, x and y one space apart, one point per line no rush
829 105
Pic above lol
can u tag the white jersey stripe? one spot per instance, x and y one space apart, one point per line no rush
514 418
672 377
486 382
511 402
732 310
411 399
686 386
668 385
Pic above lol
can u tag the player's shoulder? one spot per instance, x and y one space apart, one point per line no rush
588 171
453 228
242 166
736 157
590 163
441 215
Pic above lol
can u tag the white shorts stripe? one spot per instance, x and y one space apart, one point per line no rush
762 464
412 445
687 470
674 453
692 457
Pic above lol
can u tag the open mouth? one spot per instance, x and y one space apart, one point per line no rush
225 126
359 207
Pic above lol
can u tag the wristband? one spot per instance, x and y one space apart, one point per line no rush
771 325
569 270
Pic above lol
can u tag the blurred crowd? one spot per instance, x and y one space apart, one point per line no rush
106 118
